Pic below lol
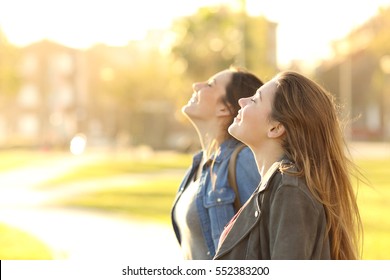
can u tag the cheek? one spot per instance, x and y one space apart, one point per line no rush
250 118
207 101
242 129
252 126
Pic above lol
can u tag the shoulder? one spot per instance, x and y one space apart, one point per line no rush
236 151
289 187
245 153
246 160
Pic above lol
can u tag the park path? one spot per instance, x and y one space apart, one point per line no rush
79 234
85 235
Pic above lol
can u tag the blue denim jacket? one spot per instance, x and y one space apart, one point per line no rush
215 205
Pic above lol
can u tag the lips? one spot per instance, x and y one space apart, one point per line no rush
238 117
193 98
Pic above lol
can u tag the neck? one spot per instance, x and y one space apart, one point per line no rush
211 136
267 155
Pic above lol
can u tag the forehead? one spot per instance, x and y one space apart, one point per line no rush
268 89
222 76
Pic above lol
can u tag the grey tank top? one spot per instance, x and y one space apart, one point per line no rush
193 245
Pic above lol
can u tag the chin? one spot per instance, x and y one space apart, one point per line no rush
236 131
186 110
233 130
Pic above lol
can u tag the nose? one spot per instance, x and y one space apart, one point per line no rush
198 85
195 86
243 101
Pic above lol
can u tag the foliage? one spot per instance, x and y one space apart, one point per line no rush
134 87
378 33
215 38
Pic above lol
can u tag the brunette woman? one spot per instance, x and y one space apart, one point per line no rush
205 200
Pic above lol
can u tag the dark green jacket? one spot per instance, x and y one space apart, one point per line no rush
281 220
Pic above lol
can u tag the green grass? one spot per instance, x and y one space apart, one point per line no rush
119 166
16 244
374 205
150 200
12 159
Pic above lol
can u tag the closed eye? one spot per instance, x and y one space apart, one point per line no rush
210 83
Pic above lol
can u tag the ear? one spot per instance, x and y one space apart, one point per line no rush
222 110
276 130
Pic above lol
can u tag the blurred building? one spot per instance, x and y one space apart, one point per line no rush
66 91
48 103
359 76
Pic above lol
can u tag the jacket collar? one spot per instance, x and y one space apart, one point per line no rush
250 212
223 152
271 172
268 175
248 218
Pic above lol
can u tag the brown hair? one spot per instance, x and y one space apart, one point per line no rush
242 84
314 142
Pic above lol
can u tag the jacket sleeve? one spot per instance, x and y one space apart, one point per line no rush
293 224
247 174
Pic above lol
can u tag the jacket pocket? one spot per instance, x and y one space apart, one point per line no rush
219 196
220 210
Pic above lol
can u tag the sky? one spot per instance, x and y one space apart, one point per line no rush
305 29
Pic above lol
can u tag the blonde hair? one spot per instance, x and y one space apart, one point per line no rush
314 142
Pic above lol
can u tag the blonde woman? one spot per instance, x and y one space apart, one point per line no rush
305 206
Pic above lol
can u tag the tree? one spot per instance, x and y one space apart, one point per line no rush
215 38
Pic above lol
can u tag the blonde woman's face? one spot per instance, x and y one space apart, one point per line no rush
205 102
252 121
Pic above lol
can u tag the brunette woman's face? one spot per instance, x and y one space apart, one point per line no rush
206 101
252 122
